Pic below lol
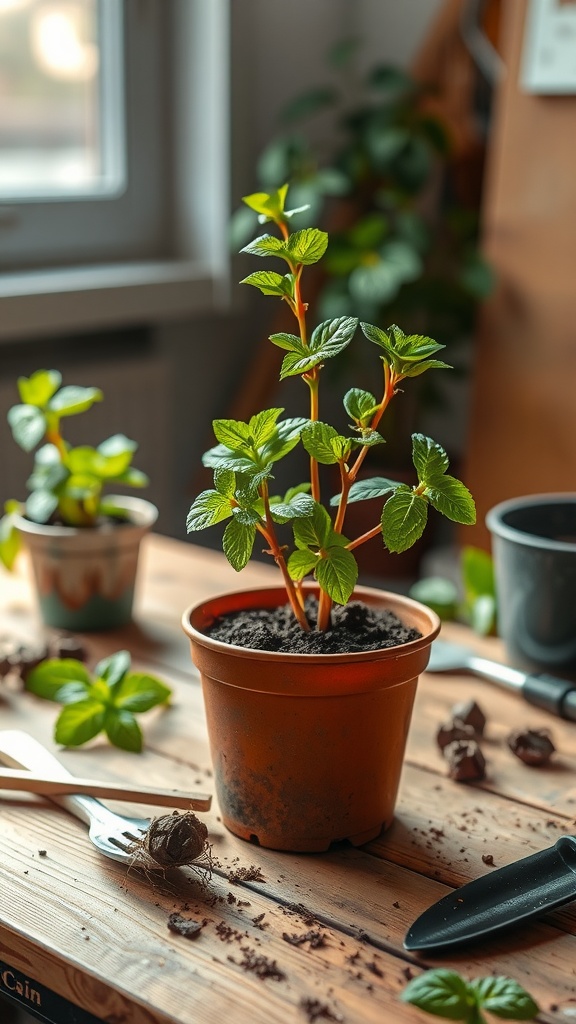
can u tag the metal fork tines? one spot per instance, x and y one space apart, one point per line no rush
112 834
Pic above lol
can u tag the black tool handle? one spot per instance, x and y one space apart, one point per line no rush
555 695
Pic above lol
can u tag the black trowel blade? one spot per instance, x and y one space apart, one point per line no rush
509 895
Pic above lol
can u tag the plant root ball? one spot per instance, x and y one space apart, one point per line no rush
174 840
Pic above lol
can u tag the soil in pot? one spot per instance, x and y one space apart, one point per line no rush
355 627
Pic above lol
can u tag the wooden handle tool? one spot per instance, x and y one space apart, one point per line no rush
26 781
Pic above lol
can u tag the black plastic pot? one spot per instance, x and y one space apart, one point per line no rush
534 549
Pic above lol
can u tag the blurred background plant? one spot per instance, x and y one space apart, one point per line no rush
471 598
373 166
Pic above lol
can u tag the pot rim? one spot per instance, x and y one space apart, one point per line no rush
143 515
497 526
396 652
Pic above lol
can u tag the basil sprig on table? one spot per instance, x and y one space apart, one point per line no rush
446 993
105 701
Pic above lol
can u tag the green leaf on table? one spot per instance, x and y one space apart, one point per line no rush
28 425
404 518
337 573
49 677
138 691
238 542
39 388
113 669
504 997
79 722
123 730
72 399
209 508
440 992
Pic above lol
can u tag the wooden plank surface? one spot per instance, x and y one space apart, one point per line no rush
96 933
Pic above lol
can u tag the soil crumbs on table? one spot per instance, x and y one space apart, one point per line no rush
355 627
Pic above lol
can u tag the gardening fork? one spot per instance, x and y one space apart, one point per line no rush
111 834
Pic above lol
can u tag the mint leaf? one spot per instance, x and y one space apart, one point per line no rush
269 206
209 508
360 405
225 482
73 399
113 668
307 246
453 499
28 425
299 506
440 992
233 433
139 692
238 542
286 437
403 519
313 532
504 997
364 490
333 336
317 439
337 572
123 730
79 722
39 388
301 563
263 427
271 283
429 458
48 678
265 245
289 342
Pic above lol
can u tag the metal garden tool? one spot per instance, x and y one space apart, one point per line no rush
111 834
558 696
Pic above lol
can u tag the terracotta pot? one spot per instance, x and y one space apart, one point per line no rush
307 749
85 577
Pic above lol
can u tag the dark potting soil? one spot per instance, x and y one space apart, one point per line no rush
355 627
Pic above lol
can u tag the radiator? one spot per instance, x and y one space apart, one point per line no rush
136 403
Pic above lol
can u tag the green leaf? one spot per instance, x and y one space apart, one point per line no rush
429 458
113 669
47 678
10 543
301 563
123 730
263 427
298 507
332 337
238 542
271 283
73 399
453 499
364 490
440 992
70 693
138 692
417 369
504 997
482 613
28 425
209 508
439 594
337 572
403 519
133 478
39 388
269 206
289 342
360 405
222 457
118 444
296 363
265 245
317 439
307 246
235 434
314 531
286 437
79 722
225 482
477 570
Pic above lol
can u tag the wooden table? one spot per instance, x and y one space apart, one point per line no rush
78 928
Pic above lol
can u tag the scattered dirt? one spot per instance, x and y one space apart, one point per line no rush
258 964
315 1010
355 627
174 840
187 927
250 874
488 858
315 938
533 746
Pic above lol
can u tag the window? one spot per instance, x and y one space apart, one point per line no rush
113 158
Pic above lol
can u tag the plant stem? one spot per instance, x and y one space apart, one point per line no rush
390 382
365 536
277 553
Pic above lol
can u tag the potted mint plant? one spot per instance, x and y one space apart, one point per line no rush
309 687
83 544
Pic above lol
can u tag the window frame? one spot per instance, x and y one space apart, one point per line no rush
194 277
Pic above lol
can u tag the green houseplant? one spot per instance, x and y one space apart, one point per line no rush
83 544
272 793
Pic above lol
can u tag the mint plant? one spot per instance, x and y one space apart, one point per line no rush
244 458
105 701
447 994
67 482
